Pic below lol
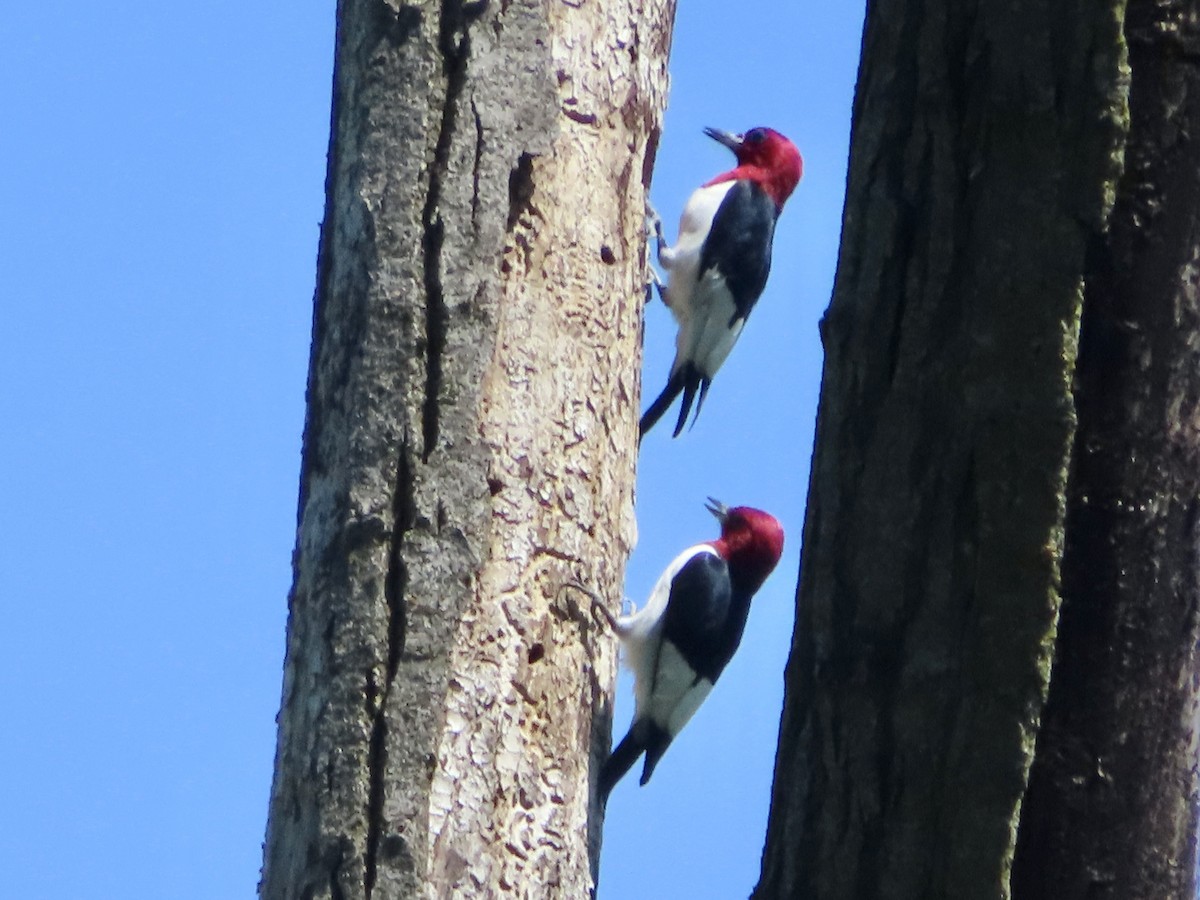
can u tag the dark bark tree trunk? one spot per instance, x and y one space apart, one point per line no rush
986 142
470 445
1111 809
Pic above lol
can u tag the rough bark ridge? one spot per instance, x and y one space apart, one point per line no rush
470 443
1110 811
986 138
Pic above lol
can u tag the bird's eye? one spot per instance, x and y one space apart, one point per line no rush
755 136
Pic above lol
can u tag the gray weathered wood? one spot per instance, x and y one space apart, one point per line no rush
470 444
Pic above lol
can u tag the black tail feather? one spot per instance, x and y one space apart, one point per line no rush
689 393
704 385
644 736
657 742
661 404
621 760
683 380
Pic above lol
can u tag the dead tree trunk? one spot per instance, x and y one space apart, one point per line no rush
1112 802
986 141
470 444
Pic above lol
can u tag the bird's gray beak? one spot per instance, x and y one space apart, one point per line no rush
718 509
732 141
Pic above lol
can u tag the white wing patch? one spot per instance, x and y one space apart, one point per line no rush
706 337
641 634
677 694
682 261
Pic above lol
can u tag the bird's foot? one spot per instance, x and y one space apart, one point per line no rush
654 229
655 283
599 608
654 225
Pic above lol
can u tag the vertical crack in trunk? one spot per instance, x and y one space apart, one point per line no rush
476 167
403 516
404 513
454 44
455 51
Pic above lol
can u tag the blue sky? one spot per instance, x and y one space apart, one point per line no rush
161 174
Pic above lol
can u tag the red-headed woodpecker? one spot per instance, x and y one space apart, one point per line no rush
719 265
681 640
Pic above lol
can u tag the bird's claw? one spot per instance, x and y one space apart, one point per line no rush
598 606
655 283
654 226
654 229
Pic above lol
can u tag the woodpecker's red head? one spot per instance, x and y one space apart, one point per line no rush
751 541
764 156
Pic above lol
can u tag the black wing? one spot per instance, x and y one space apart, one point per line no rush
739 244
697 612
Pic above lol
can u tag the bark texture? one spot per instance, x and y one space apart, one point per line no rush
470 444
1111 809
986 142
